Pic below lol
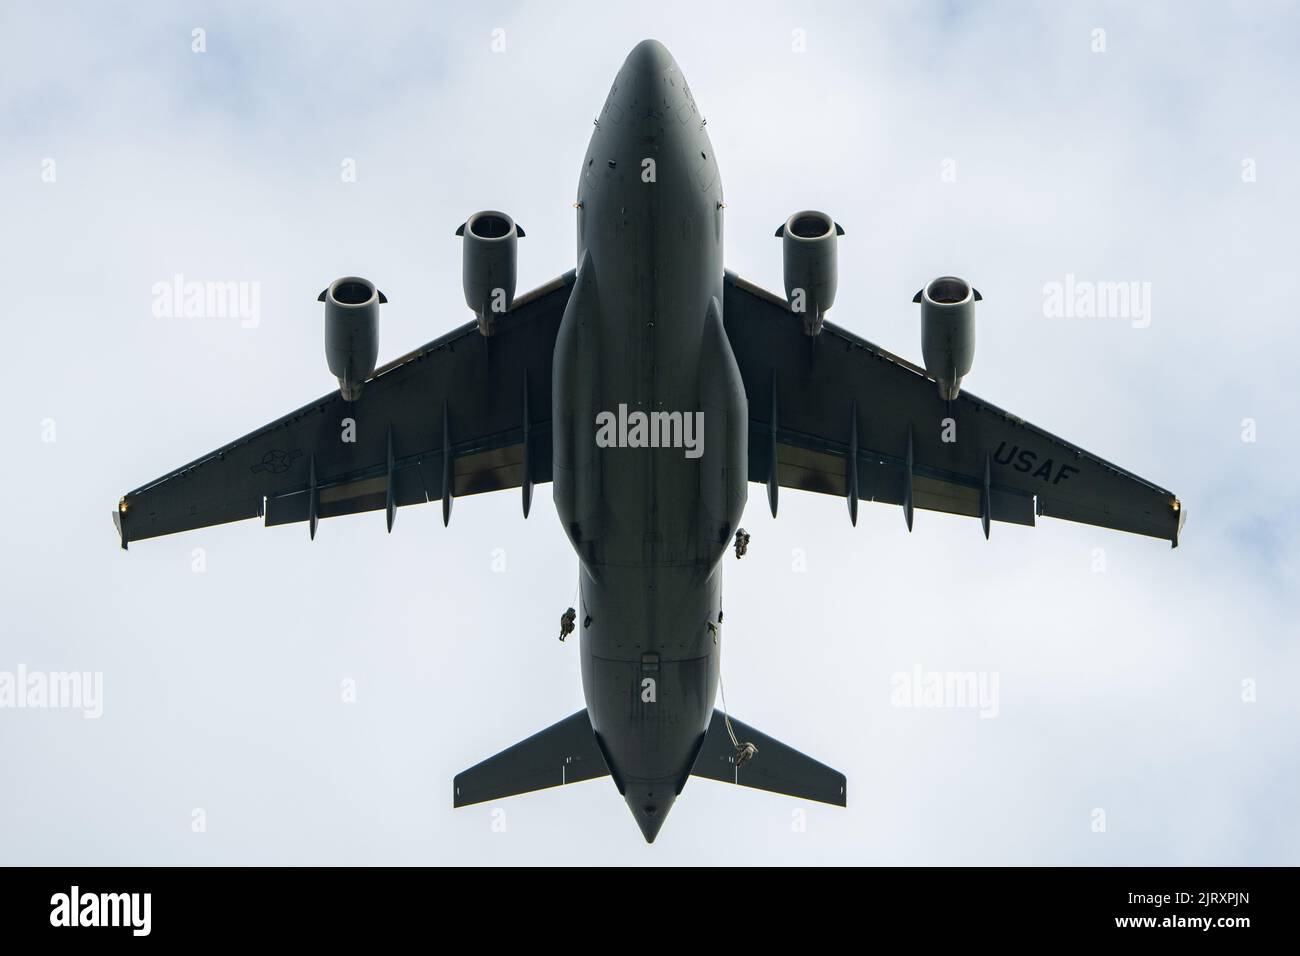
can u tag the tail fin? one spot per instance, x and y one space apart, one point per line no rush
562 753
774 767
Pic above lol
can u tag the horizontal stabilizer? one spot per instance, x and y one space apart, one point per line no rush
774 767
562 753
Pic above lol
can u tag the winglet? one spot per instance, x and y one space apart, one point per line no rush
119 522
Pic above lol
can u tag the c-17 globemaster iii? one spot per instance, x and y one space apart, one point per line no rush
649 385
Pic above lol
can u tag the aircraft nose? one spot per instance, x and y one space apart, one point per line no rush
650 804
650 76
649 57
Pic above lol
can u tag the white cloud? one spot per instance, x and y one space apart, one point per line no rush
1119 690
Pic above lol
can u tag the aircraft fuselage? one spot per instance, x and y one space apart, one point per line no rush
650 453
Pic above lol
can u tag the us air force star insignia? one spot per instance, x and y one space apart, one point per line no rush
276 461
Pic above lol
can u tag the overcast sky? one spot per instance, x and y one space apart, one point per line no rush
1010 144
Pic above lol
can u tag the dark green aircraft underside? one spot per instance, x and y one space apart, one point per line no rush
649 323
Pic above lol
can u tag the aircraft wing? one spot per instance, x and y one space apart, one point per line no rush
841 416
458 416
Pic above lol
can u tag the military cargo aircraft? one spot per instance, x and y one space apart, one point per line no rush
649 385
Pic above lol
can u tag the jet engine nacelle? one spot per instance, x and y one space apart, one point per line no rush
811 265
352 331
948 331
489 265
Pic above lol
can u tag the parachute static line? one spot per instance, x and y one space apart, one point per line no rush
746 750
